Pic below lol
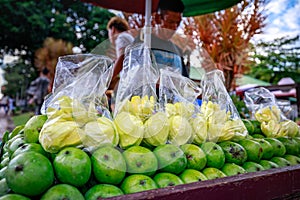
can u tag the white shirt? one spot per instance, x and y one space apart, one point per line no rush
123 40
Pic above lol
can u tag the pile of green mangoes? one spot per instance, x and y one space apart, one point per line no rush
29 171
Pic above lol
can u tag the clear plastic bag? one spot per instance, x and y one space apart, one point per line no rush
287 109
218 111
136 98
178 98
138 77
77 111
264 108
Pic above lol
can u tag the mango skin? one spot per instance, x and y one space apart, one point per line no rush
234 152
214 154
253 149
231 169
278 147
250 166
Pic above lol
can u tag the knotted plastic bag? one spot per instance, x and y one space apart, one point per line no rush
222 119
178 98
264 108
136 98
77 111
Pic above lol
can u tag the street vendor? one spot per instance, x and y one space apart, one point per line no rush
119 37
117 32
166 53
39 88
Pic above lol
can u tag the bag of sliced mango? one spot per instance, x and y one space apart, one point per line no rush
77 110
178 99
264 108
136 99
218 113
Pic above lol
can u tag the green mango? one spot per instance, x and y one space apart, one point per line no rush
249 126
290 144
4 189
213 173
196 158
4 162
294 160
253 149
192 175
281 162
13 197
257 129
267 164
267 148
278 148
234 152
102 191
33 127
16 131
214 154
258 136
165 179
250 166
62 191
18 142
231 169
297 139
137 183
30 147
2 172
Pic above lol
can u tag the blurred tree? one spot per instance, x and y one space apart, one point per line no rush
26 24
48 54
276 59
226 36
18 75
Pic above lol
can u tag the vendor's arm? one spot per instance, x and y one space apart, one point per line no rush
121 43
118 65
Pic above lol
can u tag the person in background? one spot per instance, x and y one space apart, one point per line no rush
166 53
117 32
4 103
11 106
41 89
119 37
